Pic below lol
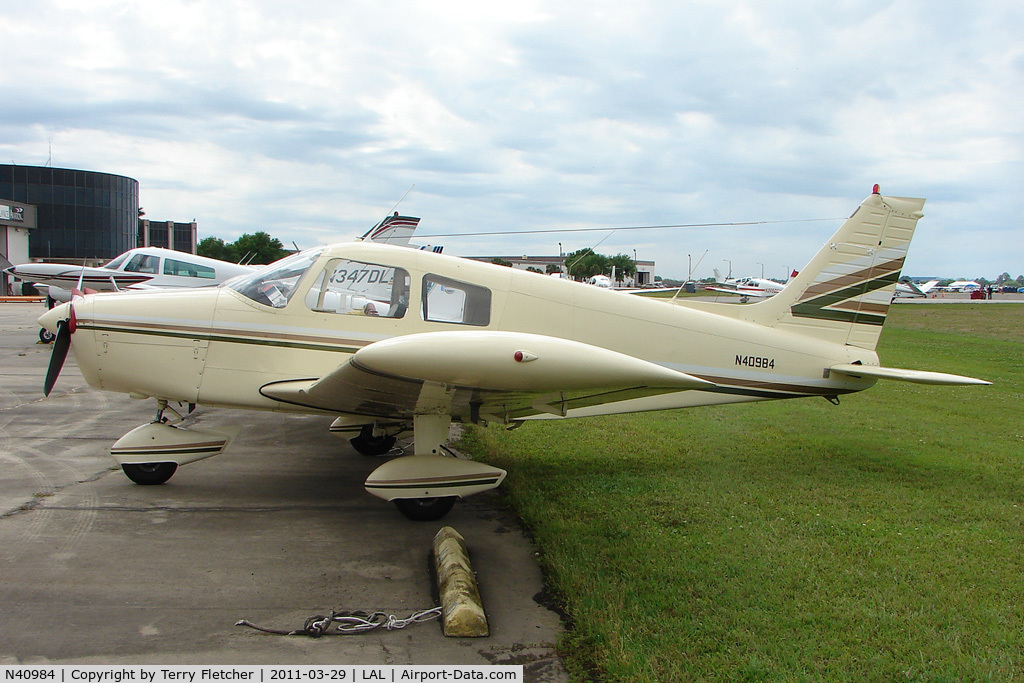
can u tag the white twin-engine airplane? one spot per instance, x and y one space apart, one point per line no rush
158 268
141 268
391 341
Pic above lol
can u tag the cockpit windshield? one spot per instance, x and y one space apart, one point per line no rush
275 284
113 265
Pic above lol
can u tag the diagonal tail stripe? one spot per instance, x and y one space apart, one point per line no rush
838 305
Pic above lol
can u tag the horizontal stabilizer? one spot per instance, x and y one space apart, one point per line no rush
916 376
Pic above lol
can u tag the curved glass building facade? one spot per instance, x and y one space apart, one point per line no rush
80 214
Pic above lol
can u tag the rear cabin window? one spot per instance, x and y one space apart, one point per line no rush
450 301
349 287
185 269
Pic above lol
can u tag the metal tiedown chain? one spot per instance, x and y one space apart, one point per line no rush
348 623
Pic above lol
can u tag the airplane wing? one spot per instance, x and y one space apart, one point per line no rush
732 289
497 376
648 290
66 277
915 376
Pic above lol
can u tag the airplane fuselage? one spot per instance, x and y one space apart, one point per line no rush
393 341
220 346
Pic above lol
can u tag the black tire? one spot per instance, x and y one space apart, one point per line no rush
368 444
150 473
46 336
425 509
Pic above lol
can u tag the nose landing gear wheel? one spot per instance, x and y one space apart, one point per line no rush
150 473
425 509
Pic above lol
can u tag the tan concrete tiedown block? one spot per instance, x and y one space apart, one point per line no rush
461 607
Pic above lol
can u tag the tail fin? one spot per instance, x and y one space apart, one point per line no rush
394 229
844 293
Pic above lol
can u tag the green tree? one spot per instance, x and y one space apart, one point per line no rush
624 266
587 263
501 262
214 247
259 248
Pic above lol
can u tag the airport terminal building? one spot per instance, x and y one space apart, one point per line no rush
80 215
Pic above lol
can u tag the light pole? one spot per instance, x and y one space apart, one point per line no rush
729 276
762 270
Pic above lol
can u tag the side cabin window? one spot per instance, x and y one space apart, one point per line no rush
349 287
143 263
450 301
185 269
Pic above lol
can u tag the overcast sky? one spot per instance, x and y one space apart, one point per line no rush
310 120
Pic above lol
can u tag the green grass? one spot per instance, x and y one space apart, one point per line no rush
879 540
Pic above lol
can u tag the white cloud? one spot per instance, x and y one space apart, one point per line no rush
311 121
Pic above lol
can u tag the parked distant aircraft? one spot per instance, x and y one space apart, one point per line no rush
157 268
909 289
962 286
135 269
459 340
141 268
747 287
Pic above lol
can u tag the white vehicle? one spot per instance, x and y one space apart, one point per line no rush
459 340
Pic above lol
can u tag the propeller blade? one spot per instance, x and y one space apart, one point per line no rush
60 351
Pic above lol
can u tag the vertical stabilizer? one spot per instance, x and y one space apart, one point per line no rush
396 230
844 293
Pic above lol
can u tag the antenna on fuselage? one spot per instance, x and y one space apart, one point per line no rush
395 207
393 212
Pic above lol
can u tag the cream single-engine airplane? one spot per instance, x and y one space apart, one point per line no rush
391 340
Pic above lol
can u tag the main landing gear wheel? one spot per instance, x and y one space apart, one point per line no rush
150 473
46 336
368 444
425 509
